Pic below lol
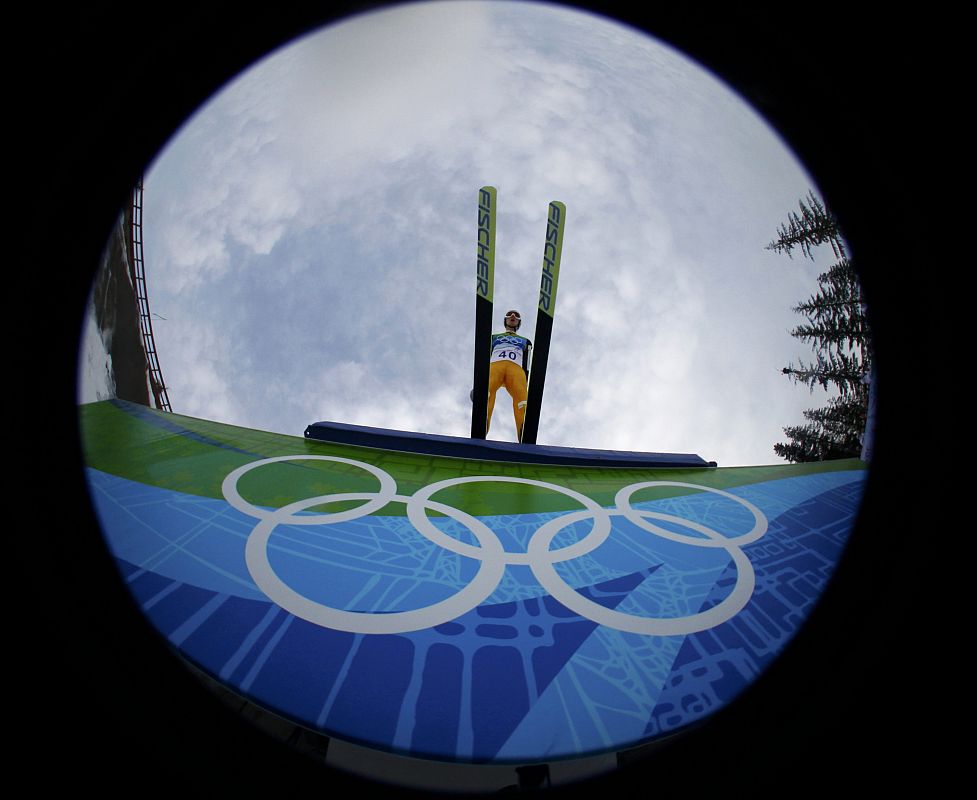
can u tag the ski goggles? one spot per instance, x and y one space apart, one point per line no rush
512 314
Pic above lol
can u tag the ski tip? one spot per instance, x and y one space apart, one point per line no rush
557 213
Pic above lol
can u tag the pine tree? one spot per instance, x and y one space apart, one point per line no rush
836 313
832 432
837 330
814 226
843 371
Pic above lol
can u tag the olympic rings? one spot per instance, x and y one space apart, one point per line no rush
490 552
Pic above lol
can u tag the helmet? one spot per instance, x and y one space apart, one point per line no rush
518 317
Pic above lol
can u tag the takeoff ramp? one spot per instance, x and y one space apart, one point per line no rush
457 608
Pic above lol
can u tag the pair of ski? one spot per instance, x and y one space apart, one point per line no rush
484 283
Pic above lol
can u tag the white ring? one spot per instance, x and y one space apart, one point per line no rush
550 580
256 554
388 488
600 531
623 501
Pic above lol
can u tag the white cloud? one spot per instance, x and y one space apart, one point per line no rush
201 367
374 87
310 234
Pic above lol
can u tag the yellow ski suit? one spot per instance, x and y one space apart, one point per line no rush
509 367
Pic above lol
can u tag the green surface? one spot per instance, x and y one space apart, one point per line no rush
193 456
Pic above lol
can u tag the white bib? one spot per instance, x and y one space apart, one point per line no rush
506 352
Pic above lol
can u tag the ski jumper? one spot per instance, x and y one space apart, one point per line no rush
509 367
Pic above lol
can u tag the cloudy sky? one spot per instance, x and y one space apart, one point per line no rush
310 234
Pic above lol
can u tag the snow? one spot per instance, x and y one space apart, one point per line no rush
96 379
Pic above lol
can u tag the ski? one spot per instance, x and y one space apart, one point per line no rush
484 282
552 250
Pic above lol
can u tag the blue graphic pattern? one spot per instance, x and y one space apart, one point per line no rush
520 677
